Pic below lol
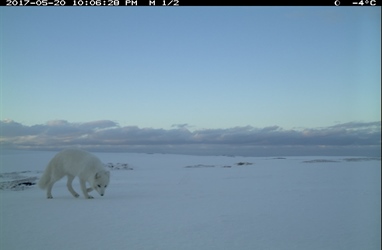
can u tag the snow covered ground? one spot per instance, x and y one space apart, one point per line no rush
159 201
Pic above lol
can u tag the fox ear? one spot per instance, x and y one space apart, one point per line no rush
97 176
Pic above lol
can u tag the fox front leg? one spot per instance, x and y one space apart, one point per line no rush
70 187
85 190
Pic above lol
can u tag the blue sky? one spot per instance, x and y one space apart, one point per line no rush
200 68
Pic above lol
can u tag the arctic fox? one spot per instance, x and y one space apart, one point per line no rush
72 163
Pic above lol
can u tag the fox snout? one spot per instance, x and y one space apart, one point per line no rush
101 192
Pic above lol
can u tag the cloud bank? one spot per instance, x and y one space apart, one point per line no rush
354 138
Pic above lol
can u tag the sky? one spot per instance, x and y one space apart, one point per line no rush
197 70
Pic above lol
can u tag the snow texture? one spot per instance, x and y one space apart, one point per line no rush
196 202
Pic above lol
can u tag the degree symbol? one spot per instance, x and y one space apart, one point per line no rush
337 3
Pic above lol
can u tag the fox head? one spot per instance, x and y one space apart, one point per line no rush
101 181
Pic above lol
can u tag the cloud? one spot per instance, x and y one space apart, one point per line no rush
108 135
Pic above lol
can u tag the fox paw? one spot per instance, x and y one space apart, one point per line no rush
90 197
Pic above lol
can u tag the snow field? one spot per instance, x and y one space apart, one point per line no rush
200 202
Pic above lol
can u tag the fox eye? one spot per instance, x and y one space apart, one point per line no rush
105 186
99 186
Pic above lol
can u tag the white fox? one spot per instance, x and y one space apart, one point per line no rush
72 163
